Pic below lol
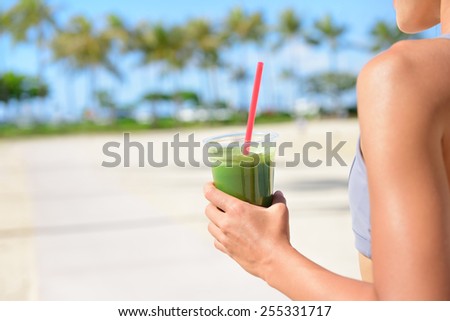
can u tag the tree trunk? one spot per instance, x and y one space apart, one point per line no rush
39 54
90 93
70 84
176 88
299 87
214 83
93 84
333 58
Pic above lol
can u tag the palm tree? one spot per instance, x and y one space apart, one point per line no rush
83 48
119 35
243 28
179 53
240 76
166 48
32 20
142 43
290 32
162 46
289 27
294 81
385 34
327 31
117 32
205 43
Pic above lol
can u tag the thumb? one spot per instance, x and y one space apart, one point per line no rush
278 198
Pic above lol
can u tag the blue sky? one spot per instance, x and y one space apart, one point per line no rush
358 16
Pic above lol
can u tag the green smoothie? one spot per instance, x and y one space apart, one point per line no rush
247 177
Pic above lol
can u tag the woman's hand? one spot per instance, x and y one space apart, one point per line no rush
249 234
257 239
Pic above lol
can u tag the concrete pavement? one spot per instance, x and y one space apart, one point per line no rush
71 229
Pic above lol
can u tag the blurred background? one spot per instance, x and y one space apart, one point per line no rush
77 74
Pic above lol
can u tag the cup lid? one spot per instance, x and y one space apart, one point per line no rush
240 138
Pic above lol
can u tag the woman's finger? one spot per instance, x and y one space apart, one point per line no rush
217 197
216 232
278 197
215 215
220 247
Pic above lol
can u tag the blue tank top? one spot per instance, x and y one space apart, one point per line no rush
359 200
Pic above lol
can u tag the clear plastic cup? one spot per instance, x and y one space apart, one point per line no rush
248 177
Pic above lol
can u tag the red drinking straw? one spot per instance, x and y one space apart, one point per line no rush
252 111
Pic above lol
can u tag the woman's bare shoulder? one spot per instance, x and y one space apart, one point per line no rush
413 76
426 57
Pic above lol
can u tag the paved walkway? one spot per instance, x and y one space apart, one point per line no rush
71 229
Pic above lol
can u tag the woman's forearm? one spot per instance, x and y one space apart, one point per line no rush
301 279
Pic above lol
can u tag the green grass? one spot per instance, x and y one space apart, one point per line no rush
122 125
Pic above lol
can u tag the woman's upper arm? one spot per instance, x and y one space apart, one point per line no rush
401 136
